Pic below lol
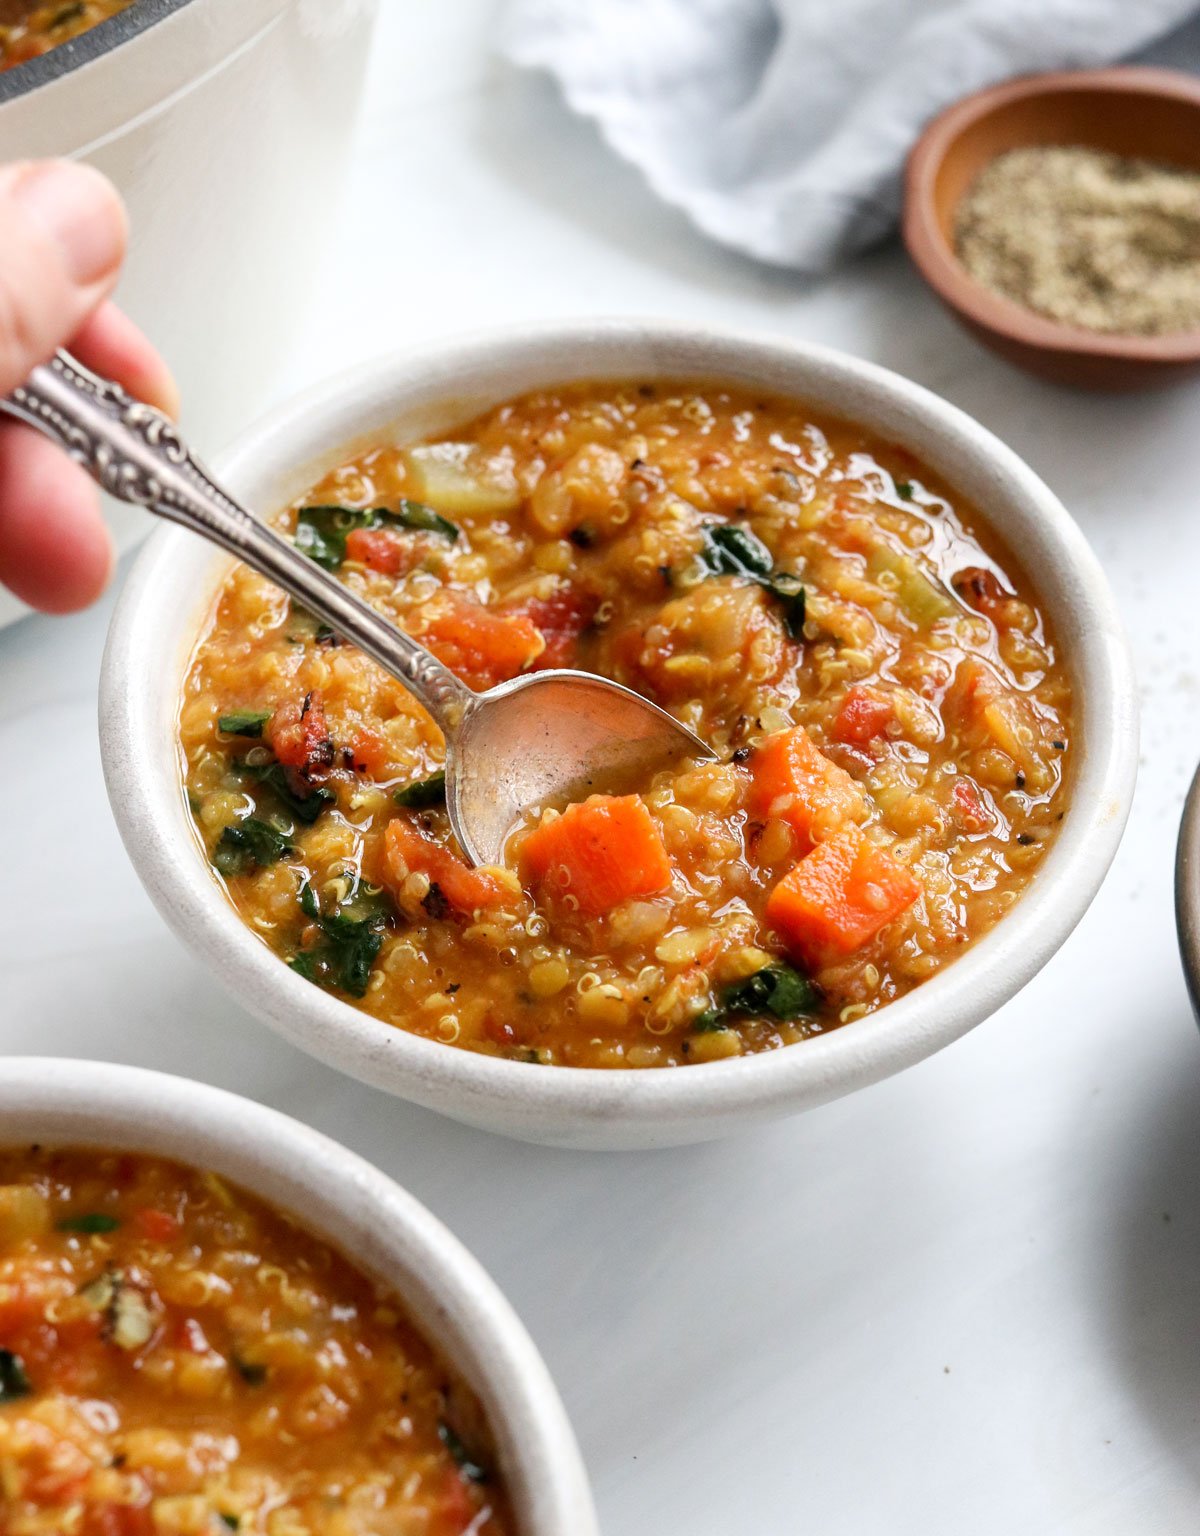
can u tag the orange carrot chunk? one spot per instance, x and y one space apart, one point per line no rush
863 717
481 646
796 783
453 884
599 851
838 897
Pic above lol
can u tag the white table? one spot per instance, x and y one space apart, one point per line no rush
965 1301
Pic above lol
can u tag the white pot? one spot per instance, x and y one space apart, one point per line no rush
172 587
350 1203
225 124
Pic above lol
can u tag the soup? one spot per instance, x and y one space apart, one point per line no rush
27 31
178 1359
893 718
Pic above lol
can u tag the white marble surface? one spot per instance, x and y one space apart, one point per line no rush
965 1301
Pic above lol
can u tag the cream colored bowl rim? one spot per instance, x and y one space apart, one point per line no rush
365 1214
153 625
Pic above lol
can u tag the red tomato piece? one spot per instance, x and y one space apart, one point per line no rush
381 549
300 737
560 619
863 717
158 1226
973 812
479 644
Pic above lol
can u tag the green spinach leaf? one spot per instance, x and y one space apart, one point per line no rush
350 940
321 531
732 550
777 989
465 1462
244 722
250 844
14 1382
423 793
89 1222
274 776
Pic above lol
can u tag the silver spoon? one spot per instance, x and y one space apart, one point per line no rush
541 739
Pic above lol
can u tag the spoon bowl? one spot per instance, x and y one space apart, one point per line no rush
549 738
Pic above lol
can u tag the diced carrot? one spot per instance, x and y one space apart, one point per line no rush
452 882
479 644
560 619
599 852
299 736
863 717
158 1226
379 549
796 783
839 896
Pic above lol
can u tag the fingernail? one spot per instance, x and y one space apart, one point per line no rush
81 212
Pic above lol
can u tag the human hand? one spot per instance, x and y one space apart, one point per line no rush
62 241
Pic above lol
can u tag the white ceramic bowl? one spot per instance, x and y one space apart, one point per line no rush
225 124
358 1209
172 587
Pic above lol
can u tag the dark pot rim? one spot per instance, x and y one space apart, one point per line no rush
1187 891
89 45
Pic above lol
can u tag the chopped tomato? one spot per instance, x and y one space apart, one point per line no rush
300 738
839 896
560 619
190 1335
381 549
982 590
973 812
600 851
458 1508
481 645
863 717
158 1226
796 783
453 884
117 1520
499 1032
371 753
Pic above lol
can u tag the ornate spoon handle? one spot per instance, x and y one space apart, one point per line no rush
137 455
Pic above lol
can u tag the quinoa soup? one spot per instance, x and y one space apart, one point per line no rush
179 1359
892 715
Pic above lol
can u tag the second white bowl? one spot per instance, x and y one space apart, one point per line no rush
372 1221
173 585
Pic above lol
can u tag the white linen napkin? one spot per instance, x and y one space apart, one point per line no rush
781 126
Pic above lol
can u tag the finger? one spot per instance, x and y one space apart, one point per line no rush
62 239
55 551
111 344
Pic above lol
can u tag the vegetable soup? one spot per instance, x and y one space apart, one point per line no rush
27 31
178 1359
892 714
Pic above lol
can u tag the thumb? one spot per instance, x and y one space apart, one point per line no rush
62 239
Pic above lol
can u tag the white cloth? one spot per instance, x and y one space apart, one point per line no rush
781 126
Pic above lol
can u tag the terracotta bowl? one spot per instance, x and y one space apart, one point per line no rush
1152 113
